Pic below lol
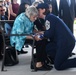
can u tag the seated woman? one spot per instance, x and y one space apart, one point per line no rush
23 24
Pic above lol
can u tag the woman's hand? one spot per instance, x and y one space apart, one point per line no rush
37 38
37 35
29 37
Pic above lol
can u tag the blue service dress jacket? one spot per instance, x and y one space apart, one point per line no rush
61 38
22 24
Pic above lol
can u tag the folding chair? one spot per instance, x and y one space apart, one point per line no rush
4 49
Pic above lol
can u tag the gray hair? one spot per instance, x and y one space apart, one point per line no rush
31 11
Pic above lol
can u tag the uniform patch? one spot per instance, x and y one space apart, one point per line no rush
47 24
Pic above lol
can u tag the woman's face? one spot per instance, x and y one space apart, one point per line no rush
33 18
41 11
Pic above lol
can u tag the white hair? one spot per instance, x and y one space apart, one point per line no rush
31 11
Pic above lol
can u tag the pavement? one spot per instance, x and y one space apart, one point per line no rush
23 68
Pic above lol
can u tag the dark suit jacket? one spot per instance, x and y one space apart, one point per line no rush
61 38
26 1
54 7
47 1
75 8
67 13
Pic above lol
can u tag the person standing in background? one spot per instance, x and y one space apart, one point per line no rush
55 7
67 12
26 1
32 1
7 3
75 10
13 7
22 7
47 1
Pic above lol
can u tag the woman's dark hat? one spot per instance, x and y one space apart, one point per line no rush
43 6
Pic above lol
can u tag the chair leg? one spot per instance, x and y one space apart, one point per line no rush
4 48
33 62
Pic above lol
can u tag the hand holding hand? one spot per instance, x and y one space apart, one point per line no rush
37 38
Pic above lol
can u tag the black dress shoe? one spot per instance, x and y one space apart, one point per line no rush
21 52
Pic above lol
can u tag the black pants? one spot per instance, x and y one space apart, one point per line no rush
61 55
40 49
